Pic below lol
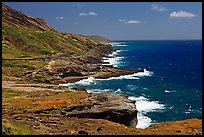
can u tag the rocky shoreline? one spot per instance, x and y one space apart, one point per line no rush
47 108
53 110
37 58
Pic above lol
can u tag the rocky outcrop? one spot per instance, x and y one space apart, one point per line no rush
70 113
113 107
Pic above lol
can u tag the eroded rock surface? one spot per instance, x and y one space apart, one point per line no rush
80 113
113 107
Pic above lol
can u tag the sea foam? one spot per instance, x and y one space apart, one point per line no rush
116 43
83 82
120 45
145 73
169 91
144 105
131 76
113 59
98 90
88 81
92 80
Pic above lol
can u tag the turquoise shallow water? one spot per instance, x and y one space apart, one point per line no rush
169 89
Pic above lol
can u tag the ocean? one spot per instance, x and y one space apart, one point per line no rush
169 89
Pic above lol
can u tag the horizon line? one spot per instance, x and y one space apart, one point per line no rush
151 39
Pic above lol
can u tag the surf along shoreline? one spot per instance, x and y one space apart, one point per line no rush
111 72
102 68
40 99
111 60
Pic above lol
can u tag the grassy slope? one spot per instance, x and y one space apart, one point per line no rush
18 42
27 43
8 128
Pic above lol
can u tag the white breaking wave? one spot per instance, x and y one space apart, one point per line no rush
92 80
116 43
103 90
169 91
85 82
144 105
145 73
131 76
113 59
131 87
120 45
98 90
118 91
143 121
69 85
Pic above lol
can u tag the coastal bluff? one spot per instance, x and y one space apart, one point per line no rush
56 109
42 109
36 58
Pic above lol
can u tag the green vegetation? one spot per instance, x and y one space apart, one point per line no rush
12 129
44 114
97 38
23 63
25 42
67 91
15 67
8 93
21 42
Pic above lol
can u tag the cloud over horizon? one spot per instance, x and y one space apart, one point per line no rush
88 14
182 14
158 7
131 21
60 18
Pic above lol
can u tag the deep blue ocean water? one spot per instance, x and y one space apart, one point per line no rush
169 89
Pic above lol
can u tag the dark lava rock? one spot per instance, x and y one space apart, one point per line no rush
82 132
78 89
113 107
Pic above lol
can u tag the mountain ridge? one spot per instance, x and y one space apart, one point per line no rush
17 19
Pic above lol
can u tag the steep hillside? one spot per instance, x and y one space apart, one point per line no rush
25 36
28 44
23 42
98 38
11 17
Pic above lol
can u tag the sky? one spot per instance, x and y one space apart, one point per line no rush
120 20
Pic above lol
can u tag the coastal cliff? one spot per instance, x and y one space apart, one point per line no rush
36 59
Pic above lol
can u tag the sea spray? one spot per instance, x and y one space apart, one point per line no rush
143 106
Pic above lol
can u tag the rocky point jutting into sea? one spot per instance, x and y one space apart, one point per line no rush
37 58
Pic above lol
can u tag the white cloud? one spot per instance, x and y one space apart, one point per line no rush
121 20
60 18
78 5
83 14
133 22
182 14
88 14
92 14
158 7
